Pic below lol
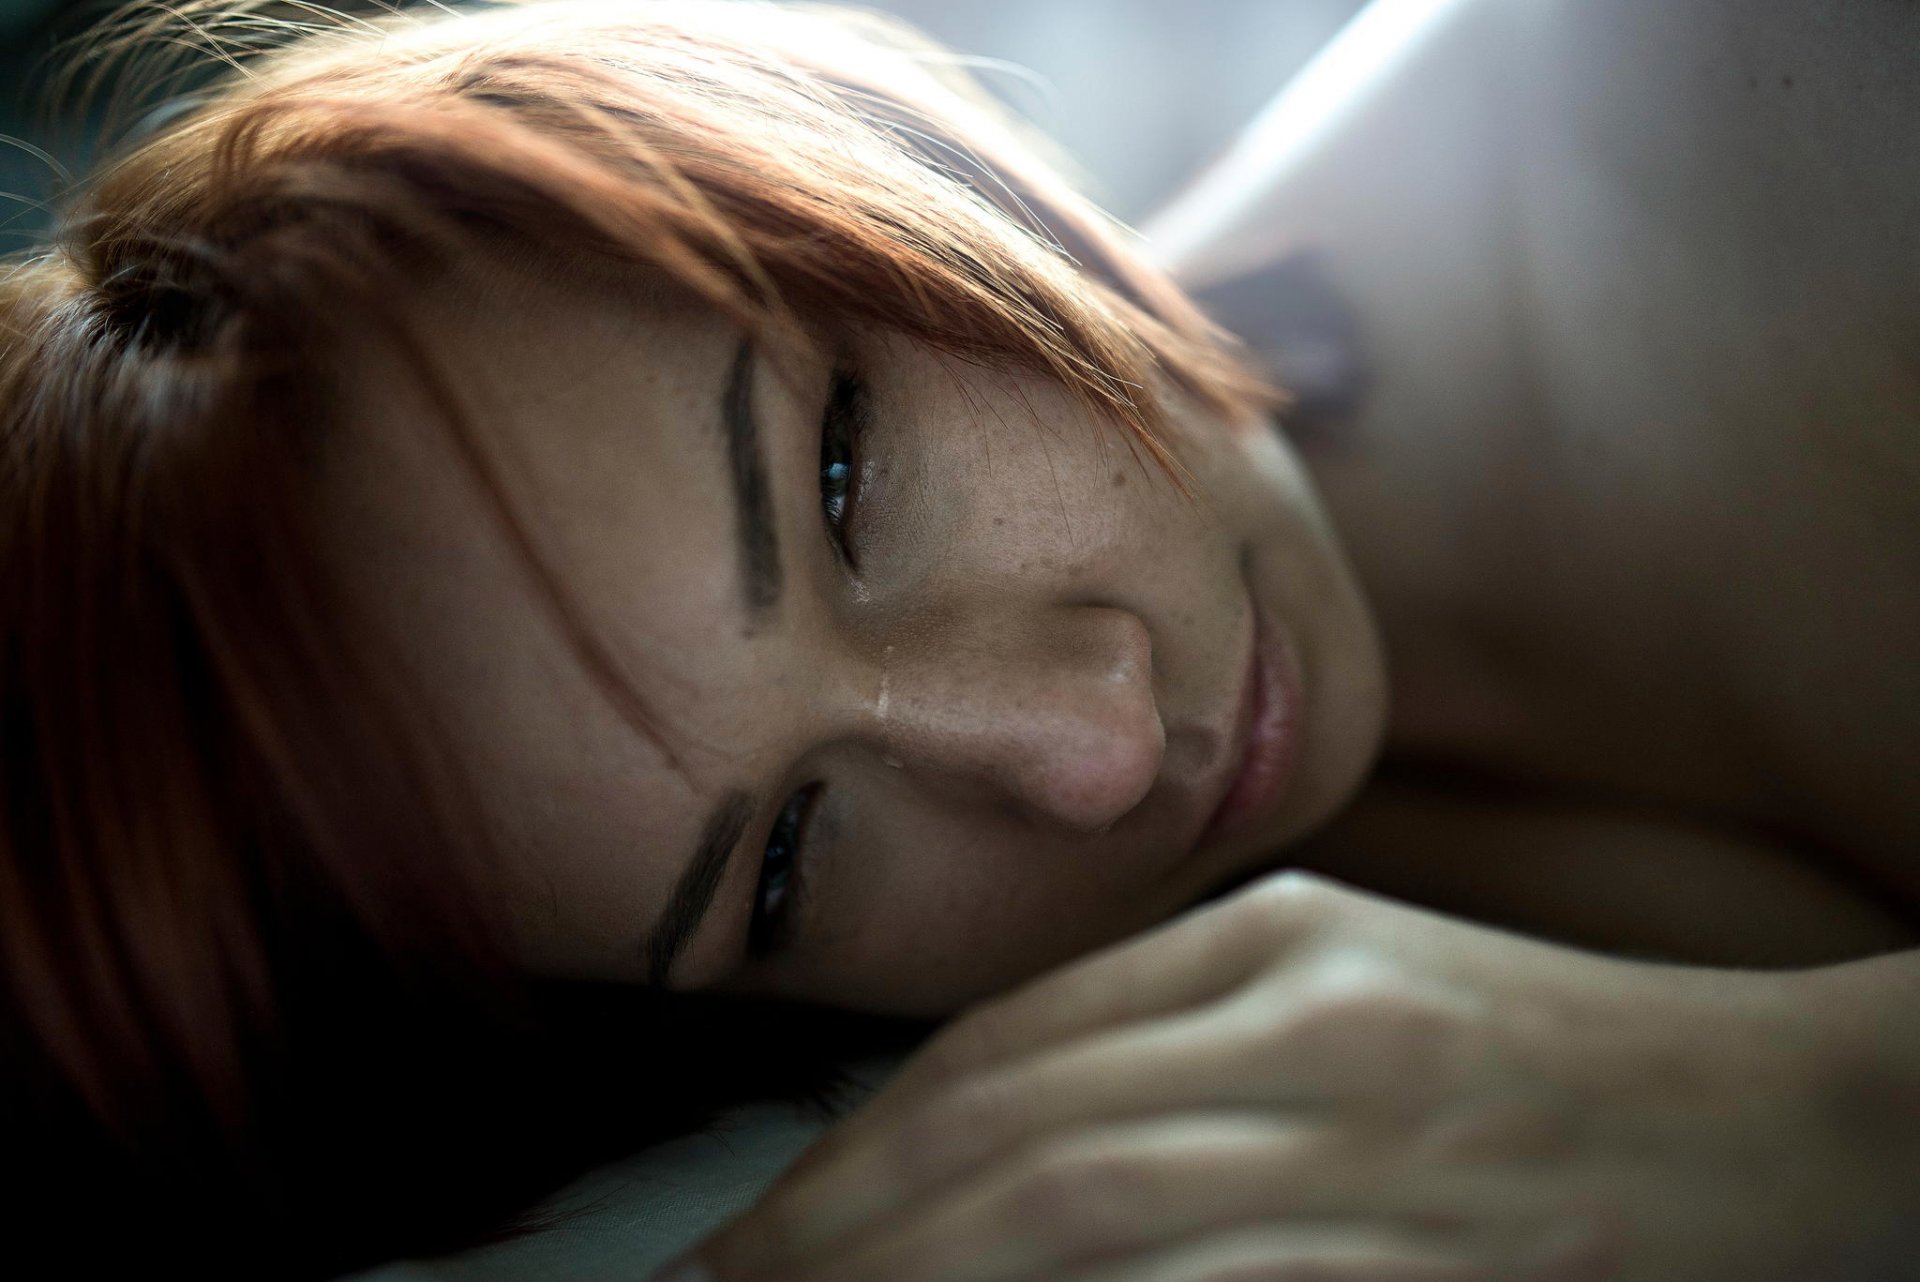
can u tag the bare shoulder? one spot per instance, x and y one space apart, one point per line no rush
1744 87
1715 232
1725 192
1471 168
1636 485
1447 103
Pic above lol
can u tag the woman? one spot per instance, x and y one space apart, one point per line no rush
680 497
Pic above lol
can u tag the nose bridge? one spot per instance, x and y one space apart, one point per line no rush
1051 707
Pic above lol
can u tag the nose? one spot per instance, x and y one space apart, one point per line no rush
1055 711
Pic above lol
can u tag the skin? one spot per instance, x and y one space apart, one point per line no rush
1634 484
1302 1080
1020 704
1634 495
1635 720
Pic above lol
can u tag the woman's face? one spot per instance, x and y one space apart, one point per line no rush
945 699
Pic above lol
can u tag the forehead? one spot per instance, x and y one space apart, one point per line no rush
588 411
582 412
596 407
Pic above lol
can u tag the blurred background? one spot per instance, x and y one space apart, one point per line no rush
1111 79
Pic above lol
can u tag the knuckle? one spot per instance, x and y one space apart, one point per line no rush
1269 917
1363 1033
1079 1200
1290 901
968 1116
1273 910
1377 1021
1293 888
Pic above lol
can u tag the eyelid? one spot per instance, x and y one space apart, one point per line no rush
770 940
820 839
848 406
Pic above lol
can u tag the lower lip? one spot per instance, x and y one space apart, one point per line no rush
1273 742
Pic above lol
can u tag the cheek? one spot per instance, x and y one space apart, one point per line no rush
934 908
1035 469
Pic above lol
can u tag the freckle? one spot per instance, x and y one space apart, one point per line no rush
1786 82
999 521
1119 479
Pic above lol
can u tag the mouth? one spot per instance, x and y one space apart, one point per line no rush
1267 735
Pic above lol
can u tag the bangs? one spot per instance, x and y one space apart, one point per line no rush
778 160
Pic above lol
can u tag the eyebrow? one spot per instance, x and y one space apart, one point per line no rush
759 550
759 556
692 894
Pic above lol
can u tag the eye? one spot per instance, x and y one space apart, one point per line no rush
842 426
776 898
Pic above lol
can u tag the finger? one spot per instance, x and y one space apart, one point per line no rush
1198 957
1332 1042
1190 961
1129 1073
1122 1190
1185 962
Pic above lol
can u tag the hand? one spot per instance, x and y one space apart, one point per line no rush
1302 1080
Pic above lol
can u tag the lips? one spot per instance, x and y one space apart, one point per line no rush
1267 735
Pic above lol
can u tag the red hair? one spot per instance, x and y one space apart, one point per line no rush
236 862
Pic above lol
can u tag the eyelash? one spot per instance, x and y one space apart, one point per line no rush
769 929
842 426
